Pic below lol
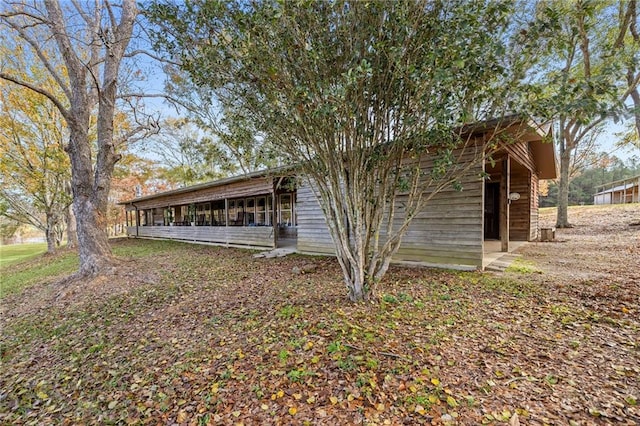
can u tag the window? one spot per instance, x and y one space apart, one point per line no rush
286 214
218 213
232 211
236 212
261 211
250 211
203 214
180 215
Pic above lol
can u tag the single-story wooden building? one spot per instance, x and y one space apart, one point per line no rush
619 192
274 208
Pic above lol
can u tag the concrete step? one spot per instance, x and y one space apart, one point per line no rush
502 263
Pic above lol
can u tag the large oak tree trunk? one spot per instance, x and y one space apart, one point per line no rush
91 46
89 204
93 248
562 220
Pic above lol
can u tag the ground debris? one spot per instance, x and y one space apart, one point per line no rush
187 334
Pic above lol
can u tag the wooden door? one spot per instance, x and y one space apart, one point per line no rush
492 211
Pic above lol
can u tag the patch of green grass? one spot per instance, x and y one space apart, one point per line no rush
298 375
15 253
14 280
143 248
514 287
522 267
290 311
334 347
389 298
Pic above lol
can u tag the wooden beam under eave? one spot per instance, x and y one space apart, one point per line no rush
505 187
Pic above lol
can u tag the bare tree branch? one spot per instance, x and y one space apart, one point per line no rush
63 110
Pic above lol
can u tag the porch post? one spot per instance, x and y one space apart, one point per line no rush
226 212
137 219
505 187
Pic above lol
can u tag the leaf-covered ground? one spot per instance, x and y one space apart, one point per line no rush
196 335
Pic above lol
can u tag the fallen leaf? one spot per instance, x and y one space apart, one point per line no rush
452 402
515 420
182 416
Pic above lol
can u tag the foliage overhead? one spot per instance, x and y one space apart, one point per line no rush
355 92
589 75
235 143
34 169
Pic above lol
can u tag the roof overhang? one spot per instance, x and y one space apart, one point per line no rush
275 172
538 136
543 150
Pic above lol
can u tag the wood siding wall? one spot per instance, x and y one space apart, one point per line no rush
233 190
252 236
313 233
534 231
449 232
523 213
520 210
520 152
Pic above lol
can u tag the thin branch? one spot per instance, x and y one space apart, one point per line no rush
133 53
63 110
37 47
87 19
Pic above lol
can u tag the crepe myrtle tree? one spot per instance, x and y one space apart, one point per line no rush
360 95
82 46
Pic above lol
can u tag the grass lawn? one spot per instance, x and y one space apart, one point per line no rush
16 252
199 335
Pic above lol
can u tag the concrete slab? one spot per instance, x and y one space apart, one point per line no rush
496 260
279 252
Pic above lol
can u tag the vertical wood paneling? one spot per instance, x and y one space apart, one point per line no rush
535 224
448 232
520 210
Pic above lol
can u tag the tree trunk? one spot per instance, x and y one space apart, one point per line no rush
93 244
562 220
356 284
93 248
72 235
50 233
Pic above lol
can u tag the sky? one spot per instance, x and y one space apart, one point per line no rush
607 140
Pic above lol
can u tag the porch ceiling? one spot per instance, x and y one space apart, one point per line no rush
540 140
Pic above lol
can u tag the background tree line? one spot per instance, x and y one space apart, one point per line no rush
607 168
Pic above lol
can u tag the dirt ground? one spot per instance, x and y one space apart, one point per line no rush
604 244
198 335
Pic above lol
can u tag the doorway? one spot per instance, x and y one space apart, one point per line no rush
492 211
